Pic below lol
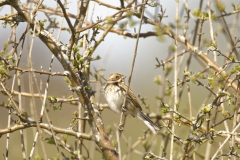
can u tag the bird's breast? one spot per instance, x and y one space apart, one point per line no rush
115 97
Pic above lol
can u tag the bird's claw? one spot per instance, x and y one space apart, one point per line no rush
120 128
123 109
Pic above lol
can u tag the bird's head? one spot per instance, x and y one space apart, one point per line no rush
116 78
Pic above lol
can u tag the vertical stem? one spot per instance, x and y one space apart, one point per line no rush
19 95
8 135
80 129
133 62
119 145
175 79
211 28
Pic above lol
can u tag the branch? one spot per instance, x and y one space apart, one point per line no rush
79 81
66 16
38 71
166 30
78 24
48 127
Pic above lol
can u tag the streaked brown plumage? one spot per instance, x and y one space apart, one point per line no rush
115 91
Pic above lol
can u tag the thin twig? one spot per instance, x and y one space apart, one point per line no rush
225 141
133 63
175 80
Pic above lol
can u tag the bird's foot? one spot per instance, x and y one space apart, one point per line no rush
123 109
120 128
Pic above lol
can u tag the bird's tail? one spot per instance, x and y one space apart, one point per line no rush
151 125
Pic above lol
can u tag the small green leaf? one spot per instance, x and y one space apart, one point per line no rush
158 80
220 6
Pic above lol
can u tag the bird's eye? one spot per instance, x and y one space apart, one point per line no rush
117 76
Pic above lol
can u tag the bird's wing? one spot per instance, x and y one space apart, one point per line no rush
131 97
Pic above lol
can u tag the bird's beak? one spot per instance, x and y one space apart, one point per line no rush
123 78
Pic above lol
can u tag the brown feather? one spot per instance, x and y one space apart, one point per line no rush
115 90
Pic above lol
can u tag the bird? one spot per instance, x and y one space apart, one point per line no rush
115 90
